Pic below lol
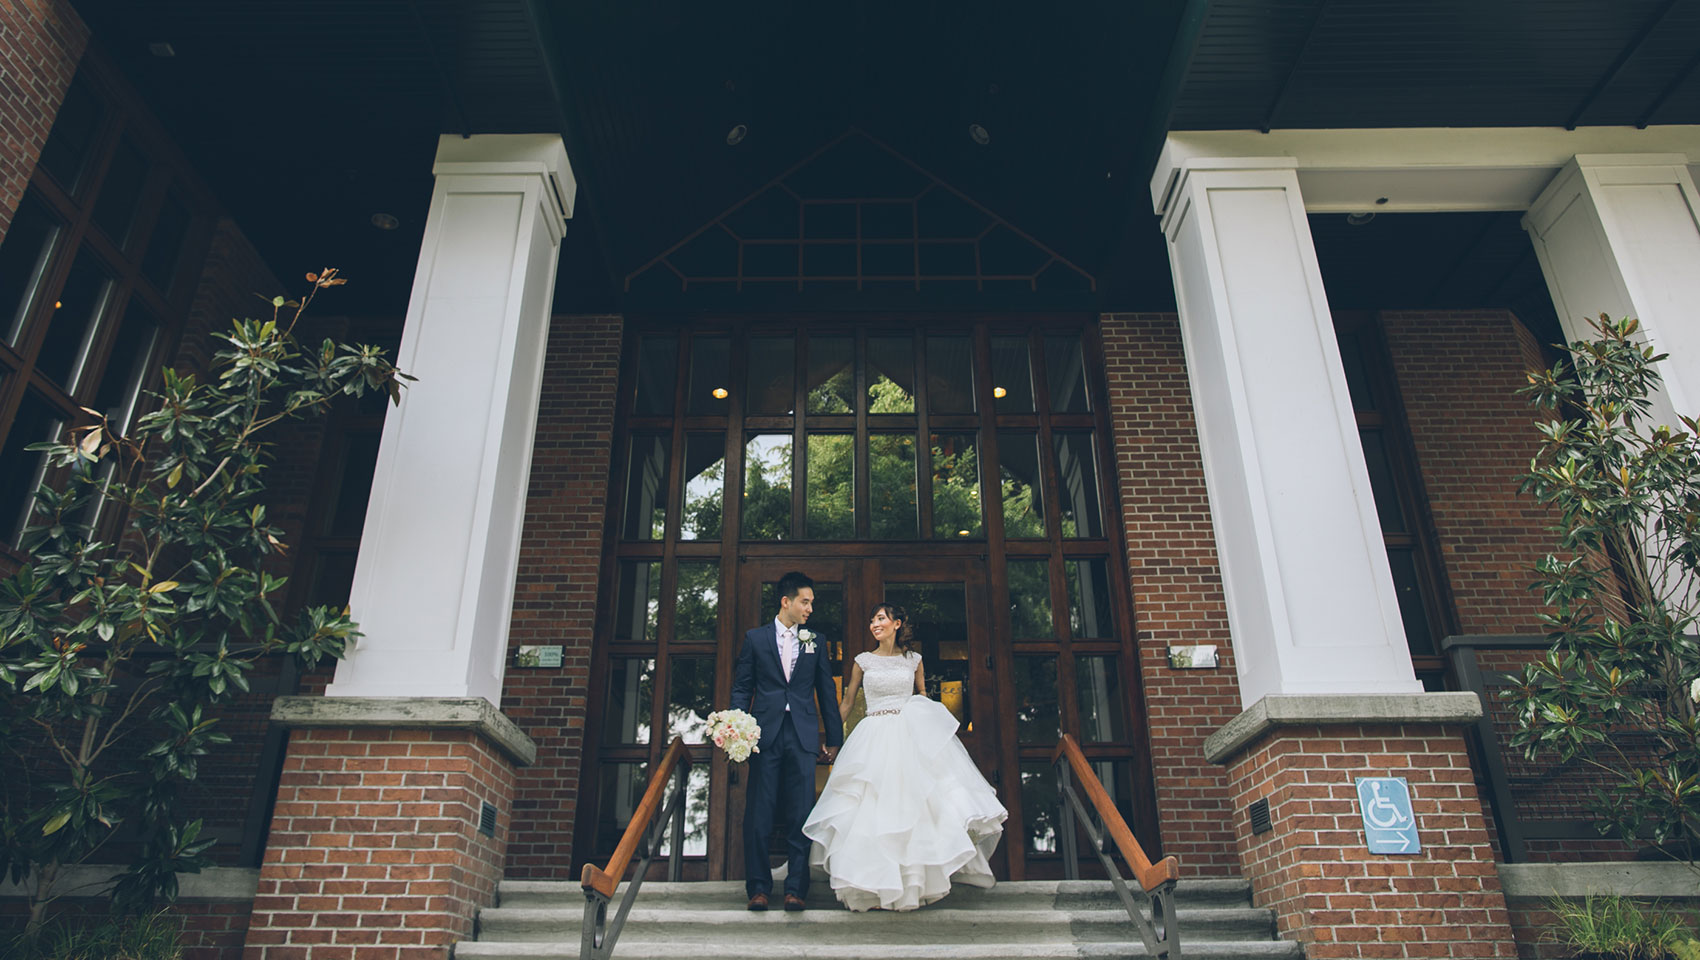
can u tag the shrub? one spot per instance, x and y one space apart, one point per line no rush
116 651
1615 690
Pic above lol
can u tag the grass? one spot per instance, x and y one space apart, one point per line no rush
151 936
1618 928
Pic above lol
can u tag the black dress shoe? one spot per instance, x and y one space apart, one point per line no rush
758 902
794 903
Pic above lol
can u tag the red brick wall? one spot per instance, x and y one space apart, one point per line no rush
555 596
41 42
1458 373
375 845
1177 585
1314 870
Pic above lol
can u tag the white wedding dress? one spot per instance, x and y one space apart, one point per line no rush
905 810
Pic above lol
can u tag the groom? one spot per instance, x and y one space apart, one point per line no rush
786 684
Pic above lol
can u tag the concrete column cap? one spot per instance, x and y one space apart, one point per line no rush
1309 710
430 713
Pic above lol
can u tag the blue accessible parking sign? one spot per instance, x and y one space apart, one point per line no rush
1389 824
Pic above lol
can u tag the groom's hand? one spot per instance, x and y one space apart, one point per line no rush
830 753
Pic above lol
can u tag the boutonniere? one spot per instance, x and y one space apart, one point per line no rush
807 638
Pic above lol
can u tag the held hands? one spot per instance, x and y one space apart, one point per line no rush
829 754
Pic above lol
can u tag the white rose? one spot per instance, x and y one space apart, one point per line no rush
1694 690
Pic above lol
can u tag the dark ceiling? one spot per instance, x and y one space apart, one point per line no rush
308 117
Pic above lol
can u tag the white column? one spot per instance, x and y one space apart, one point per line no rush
1619 234
434 583
1311 603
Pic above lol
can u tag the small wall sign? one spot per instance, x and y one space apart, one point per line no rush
1199 656
537 656
1389 824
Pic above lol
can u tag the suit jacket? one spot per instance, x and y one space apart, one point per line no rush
759 687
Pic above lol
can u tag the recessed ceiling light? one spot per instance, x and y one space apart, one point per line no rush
160 48
962 533
719 393
1359 219
999 392
978 134
736 135
385 221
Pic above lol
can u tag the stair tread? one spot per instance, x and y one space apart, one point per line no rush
1200 949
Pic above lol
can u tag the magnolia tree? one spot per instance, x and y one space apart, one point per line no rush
116 651
1616 692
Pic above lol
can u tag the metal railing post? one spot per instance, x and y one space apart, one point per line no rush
1067 840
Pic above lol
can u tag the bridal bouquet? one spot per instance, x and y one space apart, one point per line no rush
735 732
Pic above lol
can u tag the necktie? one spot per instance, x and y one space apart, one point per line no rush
788 653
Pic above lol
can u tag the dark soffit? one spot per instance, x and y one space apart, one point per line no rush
1457 63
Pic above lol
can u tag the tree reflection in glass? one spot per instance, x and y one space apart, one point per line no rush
891 375
1030 600
956 487
1018 476
690 697
831 503
705 478
1038 715
1040 807
832 375
767 487
1098 688
891 464
696 616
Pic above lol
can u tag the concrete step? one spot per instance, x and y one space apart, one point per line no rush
1028 920
1056 893
858 950
939 923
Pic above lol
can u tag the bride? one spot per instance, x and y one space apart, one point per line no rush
905 810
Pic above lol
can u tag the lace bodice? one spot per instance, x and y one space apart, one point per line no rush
887 681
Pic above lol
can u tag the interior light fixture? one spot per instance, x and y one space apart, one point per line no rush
999 392
385 221
962 533
736 135
979 134
58 304
1359 219
719 393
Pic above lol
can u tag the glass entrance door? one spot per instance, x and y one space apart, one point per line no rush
960 467
946 600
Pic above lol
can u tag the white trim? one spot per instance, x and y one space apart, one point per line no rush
1417 169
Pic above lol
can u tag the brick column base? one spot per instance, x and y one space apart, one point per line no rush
1313 866
375 850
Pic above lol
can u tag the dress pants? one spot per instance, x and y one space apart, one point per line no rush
782 788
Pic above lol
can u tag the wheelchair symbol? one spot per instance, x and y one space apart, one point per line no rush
1381 812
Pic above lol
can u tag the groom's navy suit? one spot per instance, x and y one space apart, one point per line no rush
782 775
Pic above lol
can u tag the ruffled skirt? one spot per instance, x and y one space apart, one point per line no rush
904 813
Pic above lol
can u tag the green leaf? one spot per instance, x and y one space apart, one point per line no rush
53 826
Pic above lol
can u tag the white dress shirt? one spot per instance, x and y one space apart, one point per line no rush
787 637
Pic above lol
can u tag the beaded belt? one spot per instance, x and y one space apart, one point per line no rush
881 713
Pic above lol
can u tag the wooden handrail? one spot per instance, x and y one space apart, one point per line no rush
1149 875
606 880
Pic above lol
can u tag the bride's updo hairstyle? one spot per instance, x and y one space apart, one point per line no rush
905 633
